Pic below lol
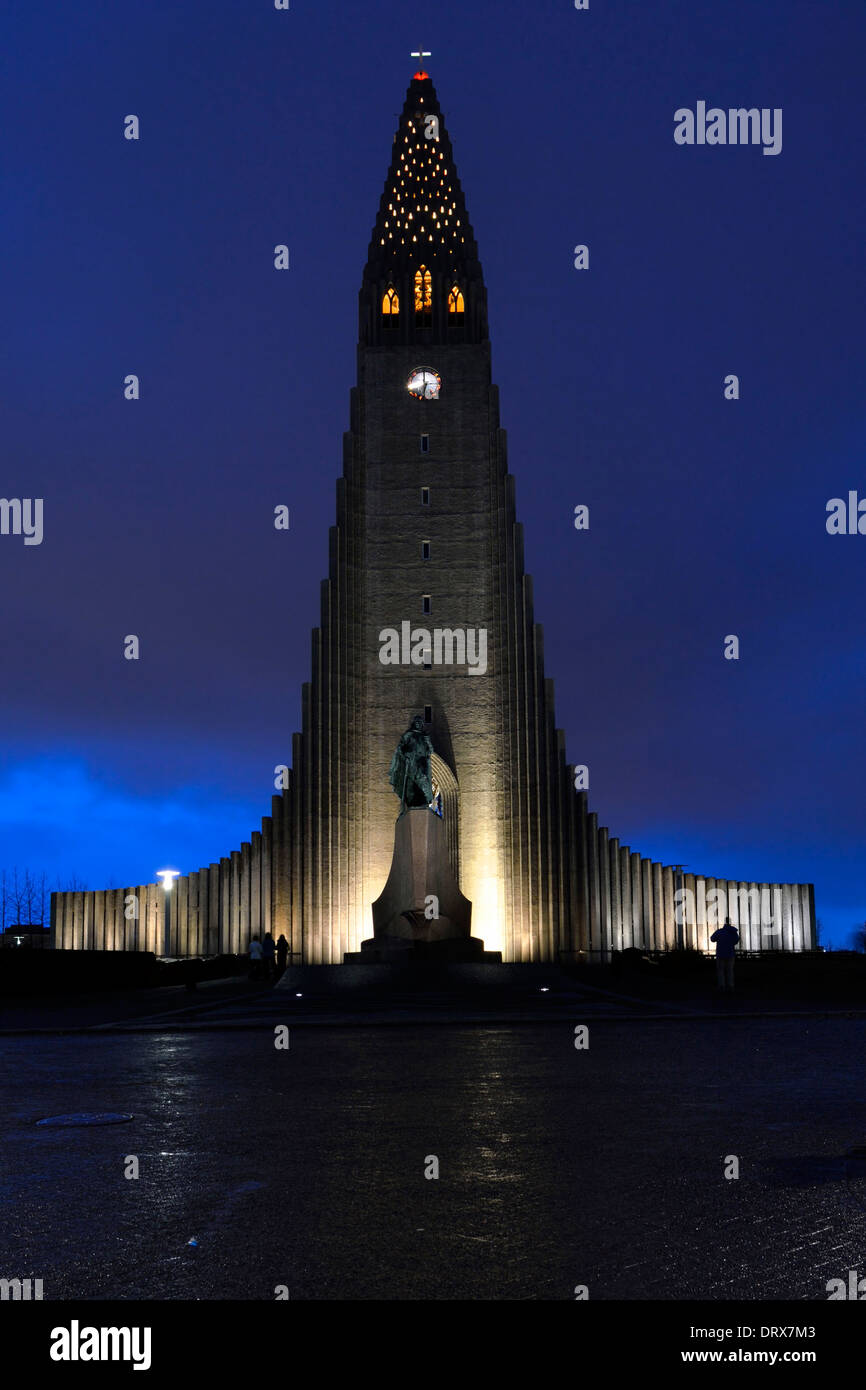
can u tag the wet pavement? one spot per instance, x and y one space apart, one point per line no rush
305 1167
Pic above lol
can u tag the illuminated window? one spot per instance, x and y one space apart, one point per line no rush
423 292
456 303
390 303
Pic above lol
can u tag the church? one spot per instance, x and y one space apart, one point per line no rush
427 611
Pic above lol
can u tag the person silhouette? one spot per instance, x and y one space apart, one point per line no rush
269 951
282 953
256 957
726 939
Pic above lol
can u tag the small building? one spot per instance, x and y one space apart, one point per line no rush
26 934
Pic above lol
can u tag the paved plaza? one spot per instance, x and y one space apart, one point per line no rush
558 1167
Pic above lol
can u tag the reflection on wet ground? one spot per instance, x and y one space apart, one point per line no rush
557 1166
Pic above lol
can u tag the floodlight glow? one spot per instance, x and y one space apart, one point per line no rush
168 876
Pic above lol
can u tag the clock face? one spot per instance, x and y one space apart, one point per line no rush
425 384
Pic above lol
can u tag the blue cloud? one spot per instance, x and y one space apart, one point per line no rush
56 815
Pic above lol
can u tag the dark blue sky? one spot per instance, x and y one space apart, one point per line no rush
707 516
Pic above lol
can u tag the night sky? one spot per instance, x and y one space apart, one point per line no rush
707 516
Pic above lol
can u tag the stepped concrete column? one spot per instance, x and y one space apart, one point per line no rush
701 932
787 939
750 933
110 920
732 903
78 942
225 901
636 900
648 905
806 919
99 920
212 921
235 902
626 928
769 927
745 926
181 933
245 928
604 889
257 926
155 910
193 911
658 908
615 895
593 870
670 928
201 912
713 905
267 872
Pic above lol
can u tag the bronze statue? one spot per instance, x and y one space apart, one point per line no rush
409 773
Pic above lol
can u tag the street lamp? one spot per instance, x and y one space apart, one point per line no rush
168 877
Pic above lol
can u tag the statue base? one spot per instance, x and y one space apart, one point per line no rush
381 950
421 913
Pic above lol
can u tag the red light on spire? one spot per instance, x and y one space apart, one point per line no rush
421 53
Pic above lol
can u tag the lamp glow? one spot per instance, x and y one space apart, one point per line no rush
168 876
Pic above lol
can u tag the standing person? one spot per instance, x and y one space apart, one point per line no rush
282 953
255 958
269 951
726 939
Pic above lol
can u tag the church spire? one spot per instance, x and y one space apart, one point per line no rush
423 280
421 53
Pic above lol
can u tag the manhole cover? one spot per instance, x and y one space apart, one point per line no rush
87 1117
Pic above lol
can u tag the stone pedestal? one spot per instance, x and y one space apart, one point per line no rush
421 913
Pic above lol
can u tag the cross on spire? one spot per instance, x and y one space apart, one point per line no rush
421 54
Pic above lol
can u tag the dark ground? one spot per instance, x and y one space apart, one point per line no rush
558 1167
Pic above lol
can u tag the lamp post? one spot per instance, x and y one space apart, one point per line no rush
168 877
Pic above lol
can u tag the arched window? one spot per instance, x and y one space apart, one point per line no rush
390 303
456 303
423 292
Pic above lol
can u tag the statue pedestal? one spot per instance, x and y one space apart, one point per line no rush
420 912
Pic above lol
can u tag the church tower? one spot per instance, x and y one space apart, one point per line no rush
427 542
427 611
